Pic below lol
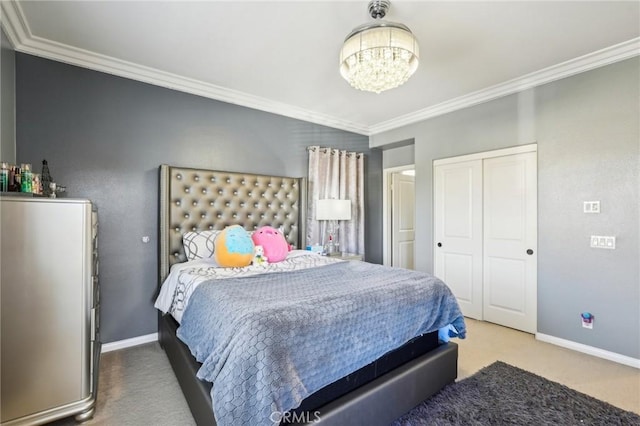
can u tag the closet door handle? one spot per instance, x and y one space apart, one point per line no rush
439 244
529 252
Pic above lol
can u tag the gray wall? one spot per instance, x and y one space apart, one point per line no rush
104 138
588 135
400 156
7 101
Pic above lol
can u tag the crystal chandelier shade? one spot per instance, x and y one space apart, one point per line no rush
380 55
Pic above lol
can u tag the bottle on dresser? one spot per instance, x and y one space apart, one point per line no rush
21 178
4 177
26 178
16 181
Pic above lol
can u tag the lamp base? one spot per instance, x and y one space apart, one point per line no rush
330 249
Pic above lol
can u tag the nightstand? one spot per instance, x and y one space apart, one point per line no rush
346 256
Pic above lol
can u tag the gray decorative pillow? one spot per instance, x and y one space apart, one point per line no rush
199 245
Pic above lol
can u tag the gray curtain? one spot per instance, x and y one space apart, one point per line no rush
339 174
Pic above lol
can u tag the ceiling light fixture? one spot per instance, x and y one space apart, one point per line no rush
379 55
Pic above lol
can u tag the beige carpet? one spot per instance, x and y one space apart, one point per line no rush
138 387
486 343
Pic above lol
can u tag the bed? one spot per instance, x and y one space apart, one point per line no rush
384 388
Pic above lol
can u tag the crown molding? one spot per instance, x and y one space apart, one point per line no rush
20 36
24 41
13 22
606 56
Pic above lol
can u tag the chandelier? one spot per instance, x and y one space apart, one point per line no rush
379 55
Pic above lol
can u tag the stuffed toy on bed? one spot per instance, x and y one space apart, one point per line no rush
234 247
273 242
259 258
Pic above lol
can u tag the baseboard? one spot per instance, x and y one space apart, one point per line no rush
590 350
127 343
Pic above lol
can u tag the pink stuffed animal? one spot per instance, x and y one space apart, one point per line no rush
273 242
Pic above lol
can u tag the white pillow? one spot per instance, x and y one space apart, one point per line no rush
199 245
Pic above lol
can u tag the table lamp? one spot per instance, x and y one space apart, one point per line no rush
332 210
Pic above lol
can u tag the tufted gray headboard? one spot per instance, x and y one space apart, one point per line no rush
198 200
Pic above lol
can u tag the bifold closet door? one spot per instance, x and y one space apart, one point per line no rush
510 241
458 232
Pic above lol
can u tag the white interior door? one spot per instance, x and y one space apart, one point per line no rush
458 232
510 236
403 220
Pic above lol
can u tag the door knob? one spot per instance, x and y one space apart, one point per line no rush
439 244
529 252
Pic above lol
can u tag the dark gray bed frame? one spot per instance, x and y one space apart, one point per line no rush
197 200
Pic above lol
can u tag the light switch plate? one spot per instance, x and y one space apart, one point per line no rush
591 206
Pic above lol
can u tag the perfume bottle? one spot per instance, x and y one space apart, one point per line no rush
16 181
26 178
4 178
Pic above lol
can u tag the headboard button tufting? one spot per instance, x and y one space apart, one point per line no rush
200 199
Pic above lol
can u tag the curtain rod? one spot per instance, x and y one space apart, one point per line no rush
334 150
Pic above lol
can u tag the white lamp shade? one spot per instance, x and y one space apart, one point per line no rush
333 210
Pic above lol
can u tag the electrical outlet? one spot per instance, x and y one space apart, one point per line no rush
603 242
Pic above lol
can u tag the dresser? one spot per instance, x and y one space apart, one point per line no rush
50 305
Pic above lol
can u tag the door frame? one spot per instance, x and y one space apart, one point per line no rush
532 147
387 239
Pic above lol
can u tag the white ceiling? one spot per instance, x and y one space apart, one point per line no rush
282 57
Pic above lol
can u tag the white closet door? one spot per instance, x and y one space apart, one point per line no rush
510 236
403 220
458 232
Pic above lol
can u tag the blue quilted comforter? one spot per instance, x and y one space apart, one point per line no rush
267 342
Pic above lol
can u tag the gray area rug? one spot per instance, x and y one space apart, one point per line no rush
501 394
